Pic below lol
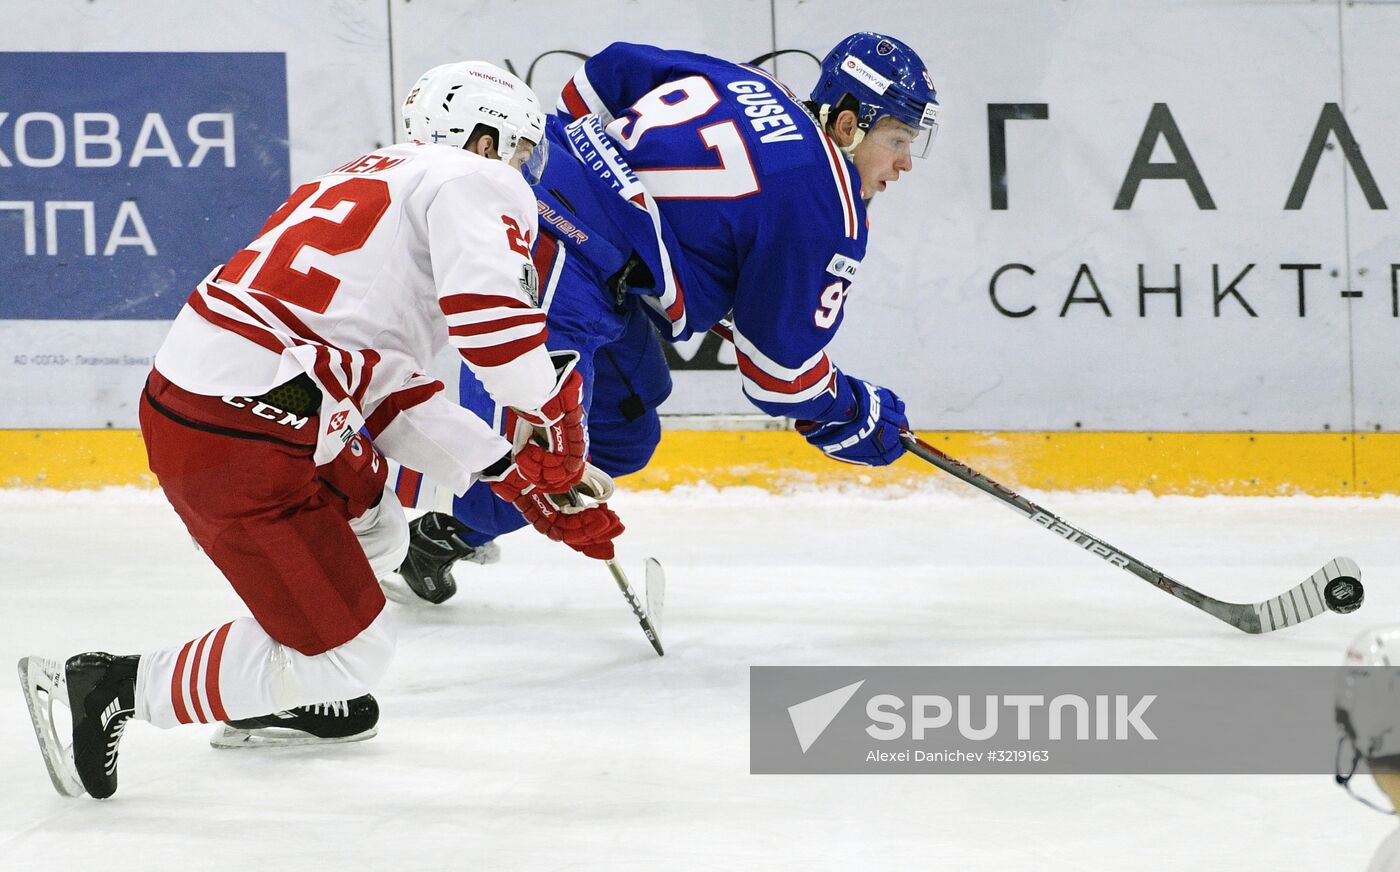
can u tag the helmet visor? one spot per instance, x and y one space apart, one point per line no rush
901 138
530 159
923 142
928 131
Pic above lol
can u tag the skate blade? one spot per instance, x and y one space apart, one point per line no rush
233 738
396 590
45 683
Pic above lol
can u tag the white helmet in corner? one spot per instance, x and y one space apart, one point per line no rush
447 103
1368 705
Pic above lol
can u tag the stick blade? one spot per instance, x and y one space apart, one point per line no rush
642 613
1343 592
1335 587
656 590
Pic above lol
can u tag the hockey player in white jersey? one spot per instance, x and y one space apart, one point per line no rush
287 372
1368 719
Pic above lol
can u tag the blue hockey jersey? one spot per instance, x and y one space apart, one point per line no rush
715 177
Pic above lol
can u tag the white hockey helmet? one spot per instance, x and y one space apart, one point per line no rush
447 103
1368 704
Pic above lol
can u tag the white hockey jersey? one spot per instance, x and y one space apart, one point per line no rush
359 279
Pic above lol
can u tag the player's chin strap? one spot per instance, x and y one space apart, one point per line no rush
1345 780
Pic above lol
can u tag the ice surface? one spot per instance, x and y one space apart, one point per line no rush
528 725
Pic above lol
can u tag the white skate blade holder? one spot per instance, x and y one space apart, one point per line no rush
44 684
234 738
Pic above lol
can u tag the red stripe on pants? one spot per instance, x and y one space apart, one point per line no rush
194 680
211 675
176 698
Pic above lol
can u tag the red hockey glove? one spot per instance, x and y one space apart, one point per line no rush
557 465
586 527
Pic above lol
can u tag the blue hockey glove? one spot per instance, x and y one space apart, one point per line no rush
869 433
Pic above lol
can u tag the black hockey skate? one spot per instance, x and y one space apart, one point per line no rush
325 723
102 696
435 543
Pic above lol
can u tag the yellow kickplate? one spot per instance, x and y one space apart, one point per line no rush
1161 463
73 459
1324 464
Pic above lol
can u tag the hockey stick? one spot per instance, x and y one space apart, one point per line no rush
1336 586
655 588
649 616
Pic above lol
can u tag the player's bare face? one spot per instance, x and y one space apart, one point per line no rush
883 154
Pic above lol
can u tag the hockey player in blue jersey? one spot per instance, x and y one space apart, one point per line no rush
683 190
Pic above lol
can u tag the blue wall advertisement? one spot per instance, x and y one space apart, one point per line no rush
125 177
128 175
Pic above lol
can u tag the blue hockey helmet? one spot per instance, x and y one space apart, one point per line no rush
885 77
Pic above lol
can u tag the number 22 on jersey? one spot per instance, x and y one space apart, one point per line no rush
676 103
313 288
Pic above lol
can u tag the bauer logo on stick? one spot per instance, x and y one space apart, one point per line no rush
1335 587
